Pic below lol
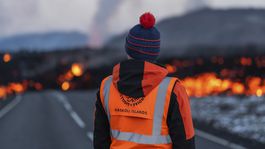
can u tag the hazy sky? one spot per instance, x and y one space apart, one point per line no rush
31 16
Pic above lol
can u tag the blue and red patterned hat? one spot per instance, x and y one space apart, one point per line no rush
143 40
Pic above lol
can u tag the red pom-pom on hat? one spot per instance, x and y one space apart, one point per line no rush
147 20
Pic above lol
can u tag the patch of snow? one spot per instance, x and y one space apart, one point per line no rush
241 116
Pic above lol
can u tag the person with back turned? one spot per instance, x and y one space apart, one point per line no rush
138 106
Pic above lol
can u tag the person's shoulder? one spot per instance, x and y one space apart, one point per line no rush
179 89
183 105
105 78
102 84
103 81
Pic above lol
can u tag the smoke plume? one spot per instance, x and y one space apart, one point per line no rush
99 29
101 17
36 16
193 5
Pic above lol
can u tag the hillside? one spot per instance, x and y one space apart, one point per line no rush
47 41
208 28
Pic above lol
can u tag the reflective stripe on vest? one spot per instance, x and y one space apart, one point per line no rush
106 95
156 137
141 139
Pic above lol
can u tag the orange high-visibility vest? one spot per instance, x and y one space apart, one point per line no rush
138 123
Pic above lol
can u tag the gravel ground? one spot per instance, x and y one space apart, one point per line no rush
243 116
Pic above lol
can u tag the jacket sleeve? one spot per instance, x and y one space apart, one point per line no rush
179 119
102 138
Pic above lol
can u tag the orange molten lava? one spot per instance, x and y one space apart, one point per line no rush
171 68
16 87
77 69
65 86
7 58
3 92
209 84
246 61
238 88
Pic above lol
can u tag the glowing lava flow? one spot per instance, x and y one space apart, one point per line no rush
7 58
77 70
229 81
209 84
11 88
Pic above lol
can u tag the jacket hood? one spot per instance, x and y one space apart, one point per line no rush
136 78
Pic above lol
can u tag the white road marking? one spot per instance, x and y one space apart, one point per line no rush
218 140
90 136
68 107
77 119
10 106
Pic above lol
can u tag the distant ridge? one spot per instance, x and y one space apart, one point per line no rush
44 41
208 28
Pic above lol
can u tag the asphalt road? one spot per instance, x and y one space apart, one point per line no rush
56 120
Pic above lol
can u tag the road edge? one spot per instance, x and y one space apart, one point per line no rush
10 106
218 140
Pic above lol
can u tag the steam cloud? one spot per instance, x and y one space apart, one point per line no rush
192 5
99 30
108 8
36 16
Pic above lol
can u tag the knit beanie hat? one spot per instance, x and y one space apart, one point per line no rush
143 40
